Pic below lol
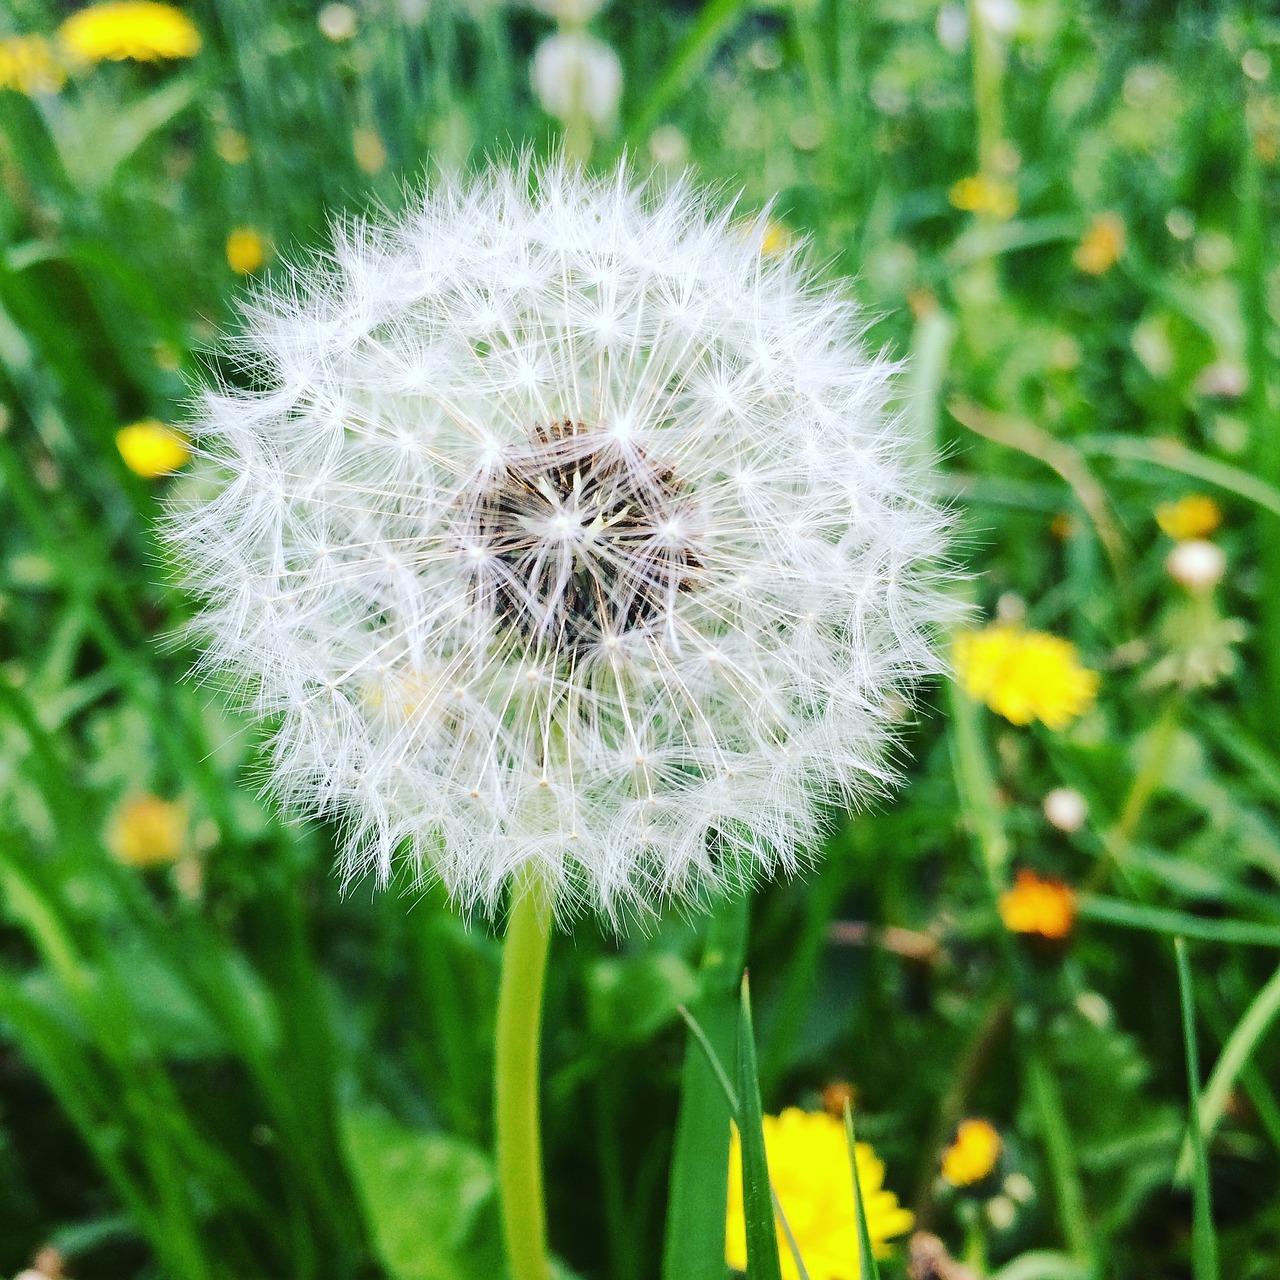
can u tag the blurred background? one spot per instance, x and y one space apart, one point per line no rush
1059 213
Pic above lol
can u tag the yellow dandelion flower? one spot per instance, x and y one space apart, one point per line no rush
973 1155
147 831
152 449
1024 675
776 239
246 251
809 1168
980 194
232 146
1101 245
1192 516
141 30
369 150
1039 905
30 65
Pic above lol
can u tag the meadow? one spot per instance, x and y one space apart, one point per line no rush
1042 973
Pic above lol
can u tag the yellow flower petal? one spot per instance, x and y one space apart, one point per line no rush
809 1168
1024 675
1192 516
141 30
151 449
246 250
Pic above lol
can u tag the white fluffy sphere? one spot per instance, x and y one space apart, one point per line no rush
562 532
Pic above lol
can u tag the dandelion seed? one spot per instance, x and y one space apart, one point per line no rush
565 536
137 30
151 449
573 72
1024 675
1196 564
973 1155
808 1157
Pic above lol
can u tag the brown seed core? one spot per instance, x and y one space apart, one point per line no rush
584 539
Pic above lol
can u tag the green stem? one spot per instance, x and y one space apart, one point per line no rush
524 966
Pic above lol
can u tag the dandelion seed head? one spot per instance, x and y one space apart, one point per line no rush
562 532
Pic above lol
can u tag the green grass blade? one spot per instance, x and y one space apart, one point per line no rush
1046 1098
868 1268
757 1201
1135 915
1256 1022
693 1247
1204 1249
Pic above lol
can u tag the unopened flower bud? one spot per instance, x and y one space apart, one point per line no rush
1196 564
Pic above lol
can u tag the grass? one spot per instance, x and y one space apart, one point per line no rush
219 1066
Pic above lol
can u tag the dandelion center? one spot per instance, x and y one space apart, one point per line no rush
579 538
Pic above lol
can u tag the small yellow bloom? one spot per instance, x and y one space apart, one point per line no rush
809 1167
973 1155
141 30
369 150
147 831
1039 905
980 194
1024 675
30 65
1192 516
246 251
776 239
1102 244
232 146
151 449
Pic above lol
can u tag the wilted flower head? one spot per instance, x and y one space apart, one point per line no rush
565 535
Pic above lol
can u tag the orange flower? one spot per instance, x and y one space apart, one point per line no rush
1040 906
973 1155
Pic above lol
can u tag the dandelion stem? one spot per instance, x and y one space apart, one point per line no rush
524 966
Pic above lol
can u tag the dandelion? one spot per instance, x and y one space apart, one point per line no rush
30 65
151 449
572 74
1065 808
1101 246
565 538
1196 564
1194 515
983 195
246 251
808 1157
1039 906
973 1155
1024 675
146 831
141 30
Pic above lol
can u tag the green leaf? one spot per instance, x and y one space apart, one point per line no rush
757 1201
1204 1249
1257 1021
629 998
693 1245
1134 915
429 1199
868 1268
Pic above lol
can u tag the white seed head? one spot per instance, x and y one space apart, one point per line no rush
572 71
1196 564
562 532
1066 809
